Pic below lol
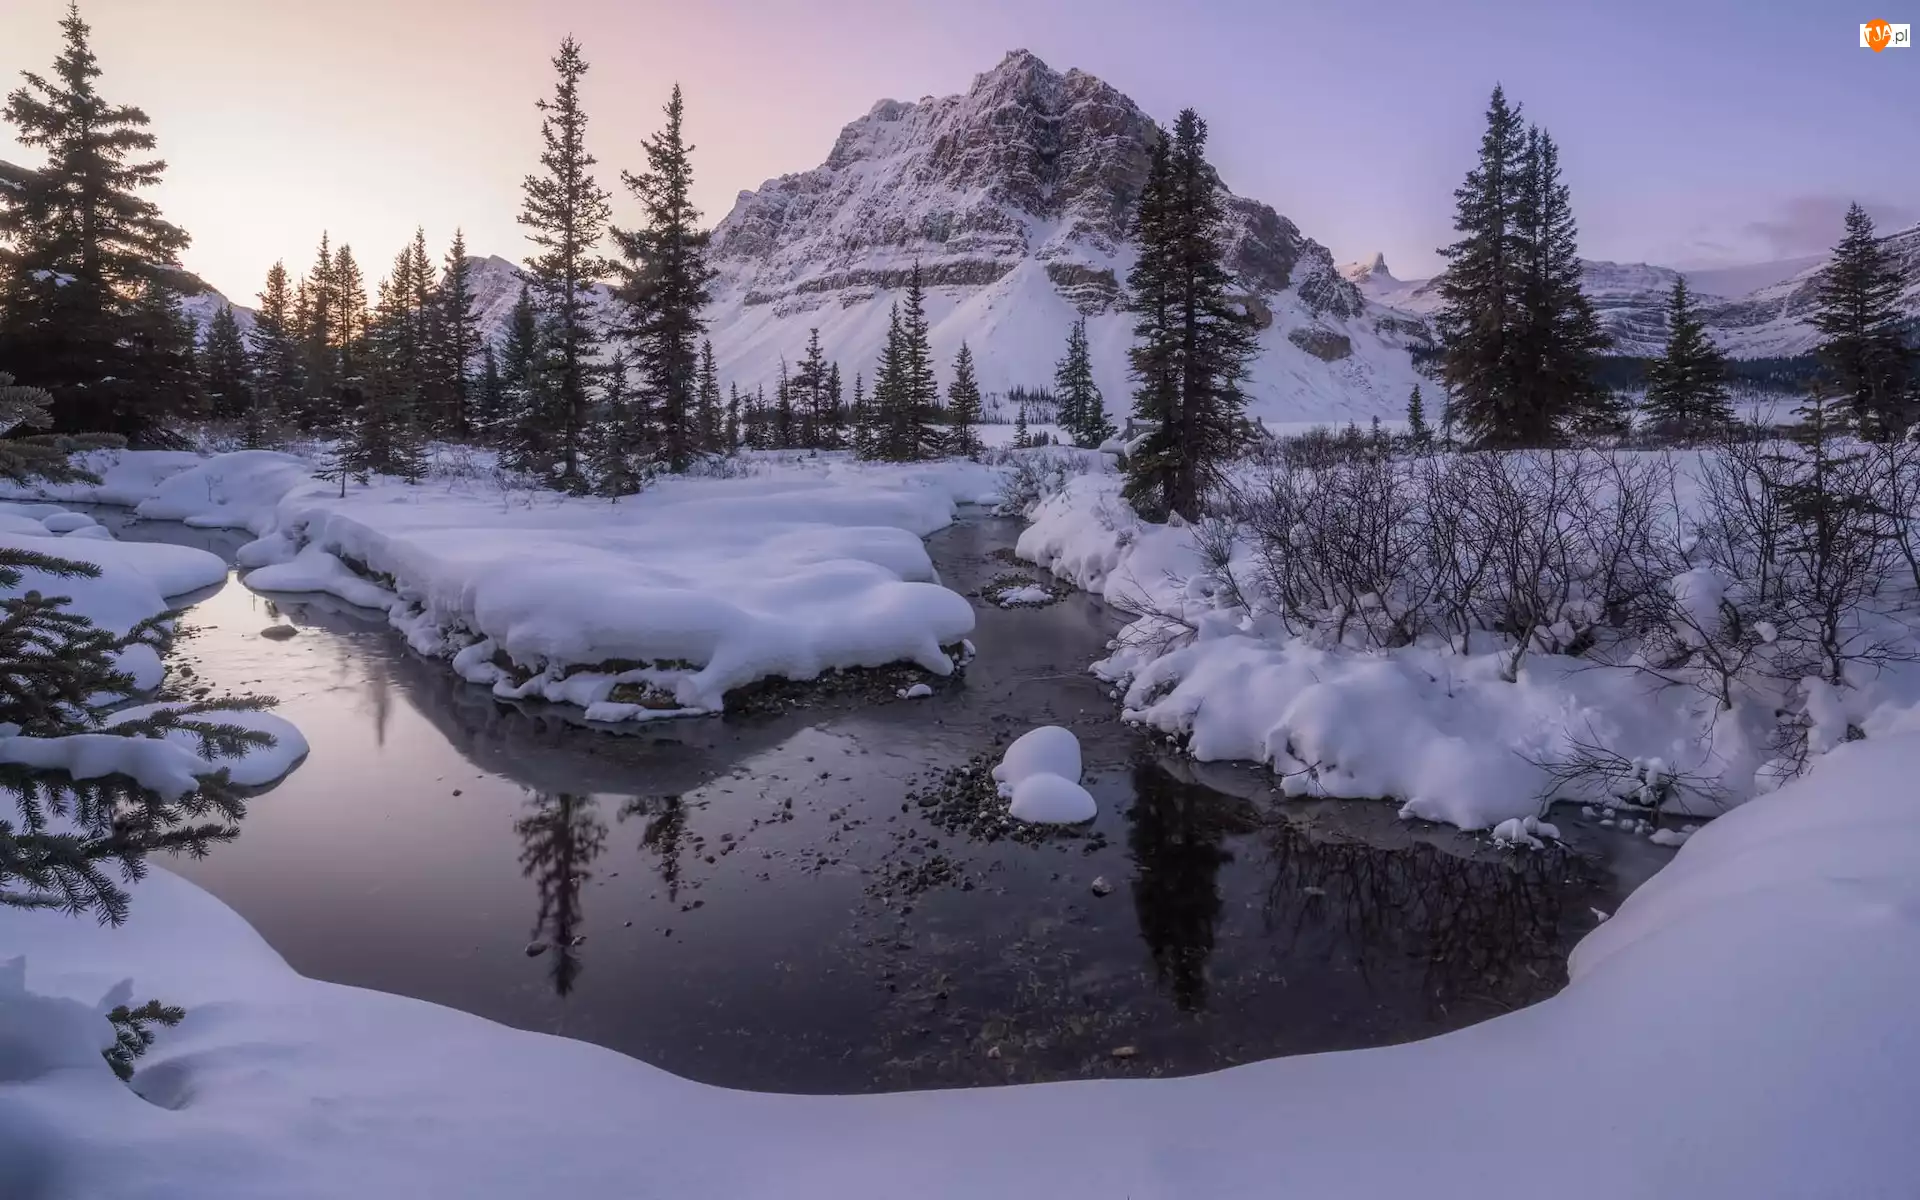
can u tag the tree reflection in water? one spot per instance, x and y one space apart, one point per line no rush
1476 928
1486 929
666 825
560 836
1177 837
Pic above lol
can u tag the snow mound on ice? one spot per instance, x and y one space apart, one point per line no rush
1044 798
1049 749
1525 831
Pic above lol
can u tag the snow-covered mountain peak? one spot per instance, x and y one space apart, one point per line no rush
1014 199
1374 269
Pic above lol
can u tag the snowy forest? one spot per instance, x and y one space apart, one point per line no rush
1504 719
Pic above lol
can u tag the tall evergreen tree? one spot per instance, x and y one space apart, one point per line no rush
566 213
624 451
488 399
225 374
319 343
460 344
1417 431
520 423
1559 339
1863 343
785 428
963 407
710 425
276 360
1192 340
663 285
1478 311
812 397
920 387
890 434
732 437
860 417
1022 438
1520 340
834 432
1082 412
161 339
88 267
1686 386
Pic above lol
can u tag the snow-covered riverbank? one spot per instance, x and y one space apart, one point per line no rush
654 606
1738 1029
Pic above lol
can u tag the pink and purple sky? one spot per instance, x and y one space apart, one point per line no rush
1693 132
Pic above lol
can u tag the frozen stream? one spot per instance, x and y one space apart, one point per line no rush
761 901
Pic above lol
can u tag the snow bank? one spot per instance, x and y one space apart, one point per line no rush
1049 749
259 766
1777 955
126 477
654 606
1443 734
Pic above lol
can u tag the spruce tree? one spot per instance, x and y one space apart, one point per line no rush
623 453
79 837
1021 438
890 433
1863 343
812 396
489 396
1418 435
861 418
836 432
1686 386
459 346
711 431
519 425
1520 340
1559 339
919 386
276 360
88 266
1478 317
226 375
319 347
784 425
963 407
161 341
1192 341
663 286
1082 412
566 214
733 419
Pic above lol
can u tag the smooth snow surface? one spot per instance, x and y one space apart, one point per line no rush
1044 798
679 595
1739 1030
1049 749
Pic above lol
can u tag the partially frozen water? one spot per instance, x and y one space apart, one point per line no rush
763 901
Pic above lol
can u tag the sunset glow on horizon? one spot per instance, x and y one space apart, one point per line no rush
368 119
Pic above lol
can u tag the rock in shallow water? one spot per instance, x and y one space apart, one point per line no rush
279 633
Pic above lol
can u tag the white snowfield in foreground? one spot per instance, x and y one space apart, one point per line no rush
694 588
1740 1030
1442 733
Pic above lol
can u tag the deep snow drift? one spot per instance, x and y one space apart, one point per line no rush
653 606
1739 1029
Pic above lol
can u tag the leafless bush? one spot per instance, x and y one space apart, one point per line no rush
1591 771
1033 477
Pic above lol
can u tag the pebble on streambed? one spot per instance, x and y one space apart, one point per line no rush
279 633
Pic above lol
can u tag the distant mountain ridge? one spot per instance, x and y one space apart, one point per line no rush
1772 321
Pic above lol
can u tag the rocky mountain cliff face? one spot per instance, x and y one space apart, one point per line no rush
1015 199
